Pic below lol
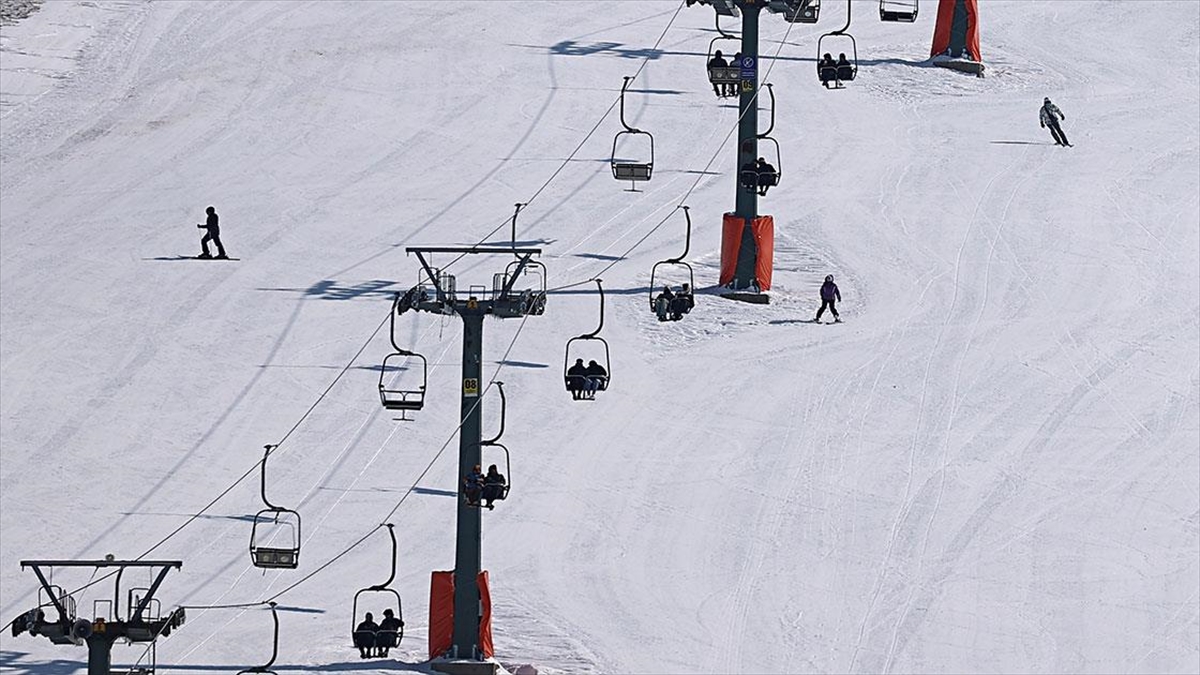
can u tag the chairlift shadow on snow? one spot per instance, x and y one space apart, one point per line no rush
522 364
329 289
600 256
520 242
245 518
1020 142
435 492
373 666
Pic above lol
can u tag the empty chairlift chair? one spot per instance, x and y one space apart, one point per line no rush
622 168
394 397
904 11
796 11
275 534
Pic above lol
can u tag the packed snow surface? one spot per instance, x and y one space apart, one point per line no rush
993 465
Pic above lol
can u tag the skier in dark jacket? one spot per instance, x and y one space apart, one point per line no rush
577 380
830 296
389 630
597 378
662 303
364 636
213 234
1049 115
493 486
827 70
718 61
767 174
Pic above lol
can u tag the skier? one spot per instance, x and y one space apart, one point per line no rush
597 378
493 486
767 176
1050 114
662 304
845 71
389 629
213 234
830 295
473 486
718 61
827 70
577 379
364 636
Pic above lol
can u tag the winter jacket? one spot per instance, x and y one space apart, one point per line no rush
1048 112
829 291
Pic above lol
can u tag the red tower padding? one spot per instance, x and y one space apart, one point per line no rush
441 614
945 19
763 229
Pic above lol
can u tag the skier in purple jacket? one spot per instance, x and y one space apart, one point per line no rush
830 295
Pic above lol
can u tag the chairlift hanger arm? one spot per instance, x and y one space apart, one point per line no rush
843 29
624 86
392 576
267 453
503 414
687 240
598 328
392 327
771 91
722 30
514 224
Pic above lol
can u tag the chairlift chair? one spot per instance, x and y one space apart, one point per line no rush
753 180
796 11
275 520
686 303
572 383
839 74
634 172
904 11
392 600
719 76
494 442
402 399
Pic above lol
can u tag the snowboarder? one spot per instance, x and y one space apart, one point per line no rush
1050 115
473 486
364 636
830 296
718 61
389 628
213 234
493 486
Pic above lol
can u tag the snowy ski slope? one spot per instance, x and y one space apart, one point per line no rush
992 466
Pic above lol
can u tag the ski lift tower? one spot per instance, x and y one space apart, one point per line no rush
145 622
747 238
437 294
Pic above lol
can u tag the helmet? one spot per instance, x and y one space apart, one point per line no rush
828 277
1046 100
211 209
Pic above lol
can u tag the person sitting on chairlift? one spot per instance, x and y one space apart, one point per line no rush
845 71
473 486
365 635
718 61
683 303
749 175
767 175
736 61
663 303
828 70
389 629
493 486
597 378
577 380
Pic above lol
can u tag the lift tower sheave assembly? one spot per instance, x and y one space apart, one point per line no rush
145 621
440 296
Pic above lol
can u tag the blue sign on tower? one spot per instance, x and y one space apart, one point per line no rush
749 68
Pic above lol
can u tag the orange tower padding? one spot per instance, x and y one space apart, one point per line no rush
441 614
485 621
945 21
763 229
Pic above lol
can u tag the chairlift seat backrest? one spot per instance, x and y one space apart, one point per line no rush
632 171
276 558
724 74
